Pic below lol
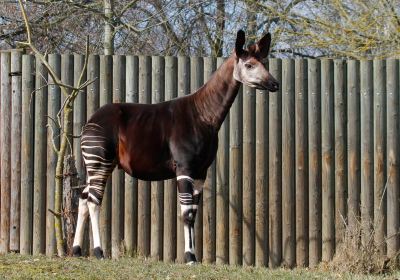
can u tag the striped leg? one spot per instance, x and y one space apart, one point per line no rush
189 198
99 165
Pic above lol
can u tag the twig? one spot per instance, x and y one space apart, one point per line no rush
54 213
384 190
52 139
53 120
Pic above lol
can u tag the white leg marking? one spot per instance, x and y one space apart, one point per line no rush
188 231
83 213
189 245
94 210
184 177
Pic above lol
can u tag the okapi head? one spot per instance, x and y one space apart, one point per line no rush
249 68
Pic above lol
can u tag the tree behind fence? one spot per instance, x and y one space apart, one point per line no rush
295 169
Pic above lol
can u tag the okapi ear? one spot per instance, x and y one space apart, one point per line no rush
264 45
240 40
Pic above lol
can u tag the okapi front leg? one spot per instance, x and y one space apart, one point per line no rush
189 198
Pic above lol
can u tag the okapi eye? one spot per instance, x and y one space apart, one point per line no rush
248 65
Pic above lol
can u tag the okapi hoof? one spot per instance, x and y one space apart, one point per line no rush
77 251
98 253
190 258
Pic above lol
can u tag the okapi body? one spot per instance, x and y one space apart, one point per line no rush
172 139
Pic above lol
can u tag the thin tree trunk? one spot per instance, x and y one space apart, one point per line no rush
70 201
108 27
219 42
251 22
59 182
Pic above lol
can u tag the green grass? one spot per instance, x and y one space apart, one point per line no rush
14 266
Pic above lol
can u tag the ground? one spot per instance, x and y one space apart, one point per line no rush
13 266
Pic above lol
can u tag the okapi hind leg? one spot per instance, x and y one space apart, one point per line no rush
83 213
99 157
94 210
189 198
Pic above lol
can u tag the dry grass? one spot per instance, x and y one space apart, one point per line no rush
359 253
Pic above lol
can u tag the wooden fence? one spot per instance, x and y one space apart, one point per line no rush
294 169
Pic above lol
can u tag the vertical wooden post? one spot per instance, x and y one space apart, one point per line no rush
275 169
16 99
39 188
5 143
340 149
367 151
209 208
288 164
328 164
92 91
67 77
248 225
106 79
92 104
53 107
157 188
235 180
314 157
27 149
261 176
301 140
393 188
353 142
171 79
209 200
131 202
117 209
183 89
144 187
379 104
79 117
222 190
79 120
196 81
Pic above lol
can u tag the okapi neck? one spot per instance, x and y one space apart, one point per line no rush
215 98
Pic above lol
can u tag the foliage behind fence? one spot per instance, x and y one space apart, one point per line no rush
293 169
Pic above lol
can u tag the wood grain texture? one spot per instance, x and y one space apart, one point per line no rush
340 149
328 164
392 126
27 150
301 158
275 168
353 142
288 164
379 73
5 142
16 102
314 162
53 107
39 188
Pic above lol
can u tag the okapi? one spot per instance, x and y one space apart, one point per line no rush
172 139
